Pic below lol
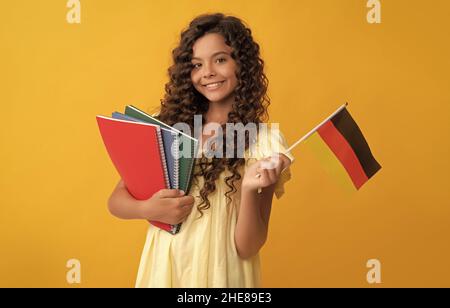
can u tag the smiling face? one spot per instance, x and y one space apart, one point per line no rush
214 71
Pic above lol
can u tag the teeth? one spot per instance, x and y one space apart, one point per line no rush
213 85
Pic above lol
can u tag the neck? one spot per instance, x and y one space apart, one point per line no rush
218 112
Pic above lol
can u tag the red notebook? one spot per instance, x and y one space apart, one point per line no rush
137 152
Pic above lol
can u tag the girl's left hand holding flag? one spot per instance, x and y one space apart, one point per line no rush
265 172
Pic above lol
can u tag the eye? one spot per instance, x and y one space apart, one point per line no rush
221 60
196 65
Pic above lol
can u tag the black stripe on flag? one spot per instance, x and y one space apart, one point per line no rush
345 124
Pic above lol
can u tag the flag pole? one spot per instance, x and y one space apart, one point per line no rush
307 135
315 128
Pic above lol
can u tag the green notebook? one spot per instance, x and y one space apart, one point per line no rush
186 164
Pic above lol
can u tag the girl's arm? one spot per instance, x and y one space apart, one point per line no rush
122 205
254 213
167 205
253 221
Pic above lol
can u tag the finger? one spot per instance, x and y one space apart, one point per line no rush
281 160
185 215
279 169
286 162
186 210
273 176
170 193
276 158
260 173
186 201
279 165
268 164
259 170
264 176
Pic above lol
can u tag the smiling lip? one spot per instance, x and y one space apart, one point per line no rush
213 83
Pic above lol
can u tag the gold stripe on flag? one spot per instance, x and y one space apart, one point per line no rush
330 161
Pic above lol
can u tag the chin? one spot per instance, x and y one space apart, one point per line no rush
216 98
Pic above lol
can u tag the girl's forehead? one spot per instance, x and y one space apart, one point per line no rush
210 44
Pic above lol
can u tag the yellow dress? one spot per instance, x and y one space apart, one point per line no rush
203 253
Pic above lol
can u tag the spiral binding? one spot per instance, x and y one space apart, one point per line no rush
176 158
163 158
191 166
174 229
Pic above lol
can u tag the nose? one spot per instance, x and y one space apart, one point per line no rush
208 71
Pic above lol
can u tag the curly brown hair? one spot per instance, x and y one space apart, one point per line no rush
182 101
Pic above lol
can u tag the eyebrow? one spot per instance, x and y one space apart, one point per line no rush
213 55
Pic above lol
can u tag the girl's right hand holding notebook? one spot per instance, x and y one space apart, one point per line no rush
169 206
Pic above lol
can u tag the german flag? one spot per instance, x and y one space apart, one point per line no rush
340 144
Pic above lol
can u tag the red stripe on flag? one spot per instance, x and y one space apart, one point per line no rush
344 152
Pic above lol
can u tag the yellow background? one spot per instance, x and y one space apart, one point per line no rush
56 176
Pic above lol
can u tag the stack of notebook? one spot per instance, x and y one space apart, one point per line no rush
146 153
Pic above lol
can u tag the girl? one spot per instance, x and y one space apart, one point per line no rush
217 73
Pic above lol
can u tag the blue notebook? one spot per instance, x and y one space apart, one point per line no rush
188 147
171 146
